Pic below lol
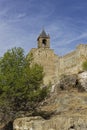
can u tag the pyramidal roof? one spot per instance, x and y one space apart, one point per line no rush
43 34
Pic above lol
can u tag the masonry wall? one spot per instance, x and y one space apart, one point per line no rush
54 66
72 62
47 59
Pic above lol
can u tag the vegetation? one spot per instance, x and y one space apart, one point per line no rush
20 83
84 65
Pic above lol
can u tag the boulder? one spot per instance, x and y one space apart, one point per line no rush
71 82
82 80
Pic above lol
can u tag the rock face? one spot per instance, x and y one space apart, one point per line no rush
67 82
70 82
55 123
82 78
69 113
65 109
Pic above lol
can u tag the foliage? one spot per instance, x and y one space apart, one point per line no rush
20 83
84 65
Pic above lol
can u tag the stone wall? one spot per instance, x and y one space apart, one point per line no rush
47 59
54 66
72 62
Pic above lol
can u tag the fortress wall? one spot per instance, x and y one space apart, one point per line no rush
72 62
54 66
68 63
82 51
81 55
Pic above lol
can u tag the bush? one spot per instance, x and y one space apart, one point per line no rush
84 65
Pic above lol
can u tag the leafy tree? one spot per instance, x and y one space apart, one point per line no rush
20 83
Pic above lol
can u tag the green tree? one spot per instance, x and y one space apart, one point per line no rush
20 83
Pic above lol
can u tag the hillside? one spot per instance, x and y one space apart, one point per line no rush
66 111
63 110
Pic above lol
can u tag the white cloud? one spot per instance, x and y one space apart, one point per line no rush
21 15
83 35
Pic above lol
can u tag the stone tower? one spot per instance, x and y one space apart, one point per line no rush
45 56
43 40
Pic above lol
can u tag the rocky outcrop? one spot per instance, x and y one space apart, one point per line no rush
82 79
67 82
55 123
69 113
64 109
71 82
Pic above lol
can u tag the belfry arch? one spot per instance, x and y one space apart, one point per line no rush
43 40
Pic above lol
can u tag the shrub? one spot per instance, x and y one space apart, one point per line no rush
84 65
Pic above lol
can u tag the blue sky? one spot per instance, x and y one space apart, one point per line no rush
21 21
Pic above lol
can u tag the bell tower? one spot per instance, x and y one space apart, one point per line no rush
43 40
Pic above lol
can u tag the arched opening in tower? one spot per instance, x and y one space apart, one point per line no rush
44 42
